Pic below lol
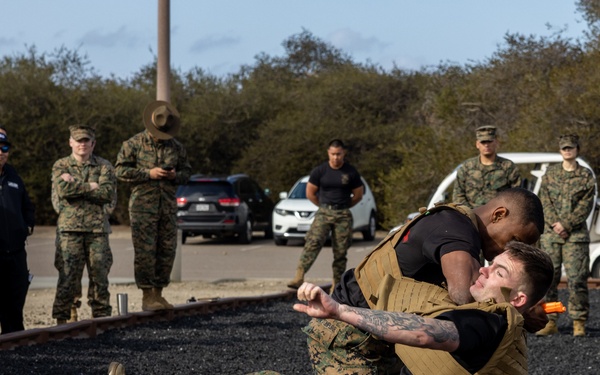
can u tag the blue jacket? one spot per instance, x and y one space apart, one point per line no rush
16 211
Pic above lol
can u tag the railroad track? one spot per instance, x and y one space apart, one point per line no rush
92 327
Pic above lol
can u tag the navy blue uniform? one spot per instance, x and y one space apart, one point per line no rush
16 217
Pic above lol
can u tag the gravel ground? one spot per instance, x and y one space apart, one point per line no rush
255 338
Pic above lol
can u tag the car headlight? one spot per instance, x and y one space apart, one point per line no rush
281 212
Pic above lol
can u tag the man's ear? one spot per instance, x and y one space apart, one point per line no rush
499 214
519 300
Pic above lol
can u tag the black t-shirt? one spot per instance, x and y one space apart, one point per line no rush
335 185
420 251
480 334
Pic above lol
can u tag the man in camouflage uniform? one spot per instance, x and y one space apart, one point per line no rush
334 187
108 209
155 164
442 246
485 337
567 193
479 179
84 183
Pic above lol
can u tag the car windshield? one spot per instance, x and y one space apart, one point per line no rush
299 191
206 188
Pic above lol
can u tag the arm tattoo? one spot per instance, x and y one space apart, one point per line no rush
381 323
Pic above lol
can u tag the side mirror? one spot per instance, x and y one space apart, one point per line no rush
283 195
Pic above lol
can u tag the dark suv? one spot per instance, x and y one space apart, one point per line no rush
222 206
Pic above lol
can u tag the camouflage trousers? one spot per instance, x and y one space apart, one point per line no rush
74 251
339 223
335 347
576 259
155 243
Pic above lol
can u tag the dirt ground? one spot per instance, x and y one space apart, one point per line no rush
38 306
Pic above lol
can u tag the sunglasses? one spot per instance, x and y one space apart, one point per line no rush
5 148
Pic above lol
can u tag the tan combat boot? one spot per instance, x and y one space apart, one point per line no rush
60 322
578 328
73 314
298 280
549 329
160 299
115 368
149 302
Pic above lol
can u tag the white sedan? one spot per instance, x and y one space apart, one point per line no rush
294 214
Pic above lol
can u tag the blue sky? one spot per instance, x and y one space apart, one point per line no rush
120 36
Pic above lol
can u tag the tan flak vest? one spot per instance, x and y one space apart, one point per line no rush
381 282
428 300
382 260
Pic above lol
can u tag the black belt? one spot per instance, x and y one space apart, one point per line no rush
335 206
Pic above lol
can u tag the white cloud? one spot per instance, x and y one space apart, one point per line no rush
212 42
120 37
352 41
7 41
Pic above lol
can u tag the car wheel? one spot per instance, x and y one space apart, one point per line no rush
369 233
245 237
183 237
280 241
596 270
269 231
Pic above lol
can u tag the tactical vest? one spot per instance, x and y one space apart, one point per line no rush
428 300
382 260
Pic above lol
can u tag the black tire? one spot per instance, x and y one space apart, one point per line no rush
280 241
245 236
183 237
269 231
596 270
369 233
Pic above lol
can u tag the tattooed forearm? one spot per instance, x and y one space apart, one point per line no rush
403 328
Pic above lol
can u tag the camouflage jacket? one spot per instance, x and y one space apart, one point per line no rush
568 197
79 208
476 184
141 153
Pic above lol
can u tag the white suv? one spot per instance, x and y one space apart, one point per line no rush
533 167
294 214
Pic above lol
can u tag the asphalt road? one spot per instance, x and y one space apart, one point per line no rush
199 259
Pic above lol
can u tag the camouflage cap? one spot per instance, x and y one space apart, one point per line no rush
79 132
485 133
568 140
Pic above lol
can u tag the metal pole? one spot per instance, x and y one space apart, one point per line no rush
176 270
163 92
163 87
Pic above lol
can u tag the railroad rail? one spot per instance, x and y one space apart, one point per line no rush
93 327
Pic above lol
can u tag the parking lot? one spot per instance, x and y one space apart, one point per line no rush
199 259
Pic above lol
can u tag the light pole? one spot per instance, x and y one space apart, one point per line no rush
163 68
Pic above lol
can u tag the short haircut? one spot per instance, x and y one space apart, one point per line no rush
526 205
538 270
336 143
